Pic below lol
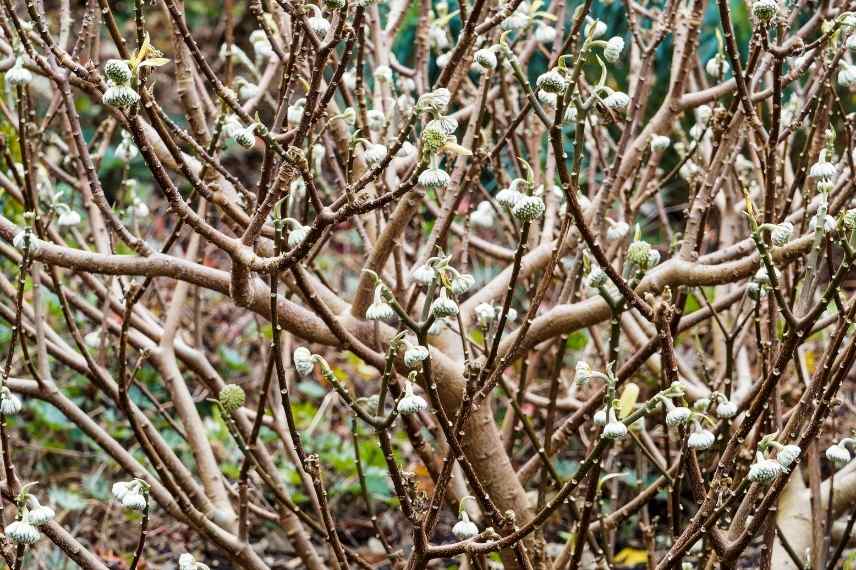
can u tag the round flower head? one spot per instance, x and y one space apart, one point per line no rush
764 10
508 197
516 21
320 25
552 82
823 169
18 74
117 71
765 471
704 113
838 455
548 99
304 362
613 49
22 532
782 233
41 515
443 306
434 101
597 277
717 66
617 101
296 235
186 562
529 208
134 501
434 179
414 355
121 96
617 230
246 90
232 397
677 415
424 275
294 113
725 410
246 137
583 372
659 143
380 310
411 403
600 418
788 454
485 58
545 34
847 75
483 216
120 489
465 529
614 429
374 153
376 119
700 438
638 252
485 314
434 136
594 28
10 405
462 283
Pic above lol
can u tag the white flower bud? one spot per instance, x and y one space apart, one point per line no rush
764 10
485 58
117 71
304 362
411 403
726 410
788 454
485 314
552 82
838 455
613 49
529 208
765 471
483 215
18 74
659 143
41 515
10 405
443 306
121 96
617 101
701 439
414 355
22 532
434 179
424 275
465 529
614 429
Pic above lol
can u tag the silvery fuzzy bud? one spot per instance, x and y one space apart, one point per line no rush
349 79
68 218
294 114
717 67
613 49
600 418
117 71
827 223
18 74
653 259
614 429
552 82
411 403
838 455
232 397
594 28
22 532
583 372
438 38
319 25
434 101
120 96
548 99
262 48
140 209
25 238
424 275
135 501
485 314
659 143
462 283
486 58
508 197
545 34
434 179
374 154
571 115
10 405
465 529
704 113
443 306
483 216
376 119
617 101
186 562
415 355
782 233
406 84
726 410
697 131
617 231
41 515
701 439
120 489
788 454
304 362
246 137
765 471
638 252
678 415
380 311
529 208
126 150
515 21
764 10
847 75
